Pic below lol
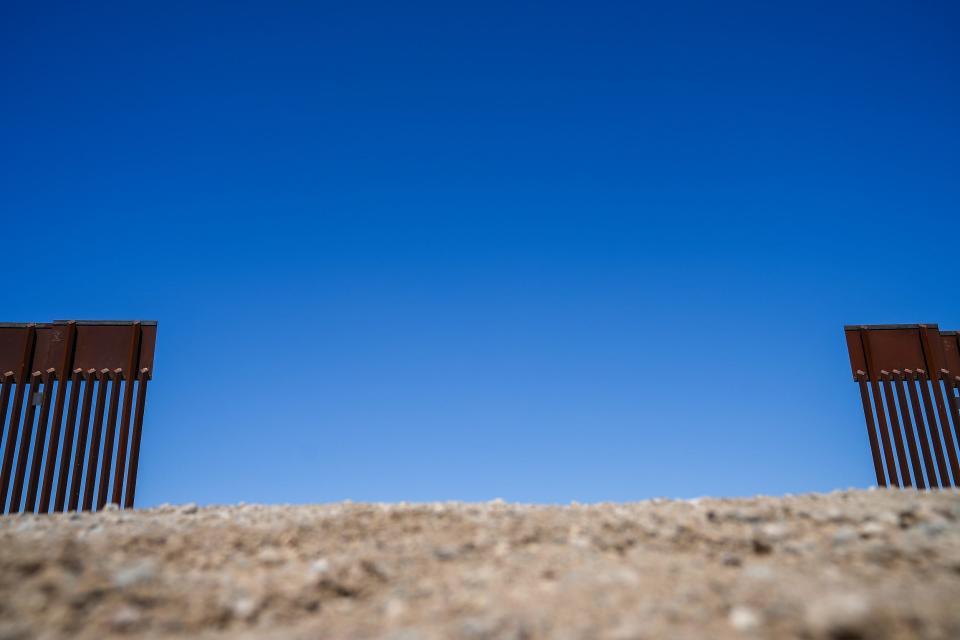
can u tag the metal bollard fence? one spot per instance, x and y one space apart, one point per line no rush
68 464
909 378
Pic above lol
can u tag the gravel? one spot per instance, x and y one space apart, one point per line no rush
845 565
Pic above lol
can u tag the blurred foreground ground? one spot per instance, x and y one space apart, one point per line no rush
871 564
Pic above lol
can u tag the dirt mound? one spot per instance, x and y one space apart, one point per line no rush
859 564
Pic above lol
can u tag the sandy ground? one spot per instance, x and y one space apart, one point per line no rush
870 564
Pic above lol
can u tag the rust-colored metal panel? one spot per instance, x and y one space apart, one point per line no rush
103 346
51 344
13 340
897 366
889 347
54 365
148 344
858 356
951 351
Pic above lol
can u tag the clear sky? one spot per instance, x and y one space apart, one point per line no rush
406 251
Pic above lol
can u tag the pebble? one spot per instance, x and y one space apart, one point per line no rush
758 573
775 531
842 614
394 608
831 514
880 552
270 556
135 574
731 560
243 607
933 529
125 619
844 535
888 518
872 529
743 618
319 568
799 547
446 552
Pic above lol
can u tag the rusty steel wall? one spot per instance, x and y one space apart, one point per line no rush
63 386
909 380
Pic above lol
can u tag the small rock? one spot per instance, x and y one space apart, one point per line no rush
319 568
731 560
758 573
768 535
832 514
393 608
888 518
446 552
125 619
880 552
844 536
743 618
743 515
799 547
189 508
839 615
270 556
243 608
134 575
478 627
762 546
775 531
933 529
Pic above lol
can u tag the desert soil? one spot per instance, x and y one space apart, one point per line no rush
854 564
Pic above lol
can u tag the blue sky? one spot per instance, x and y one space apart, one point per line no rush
556 252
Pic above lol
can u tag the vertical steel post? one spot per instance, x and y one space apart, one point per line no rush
56 425
94 456
26 439
109 437
14 427
885 382
135 443
66 452
909 433
89 381
130 377
910 388
871 428
40 446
